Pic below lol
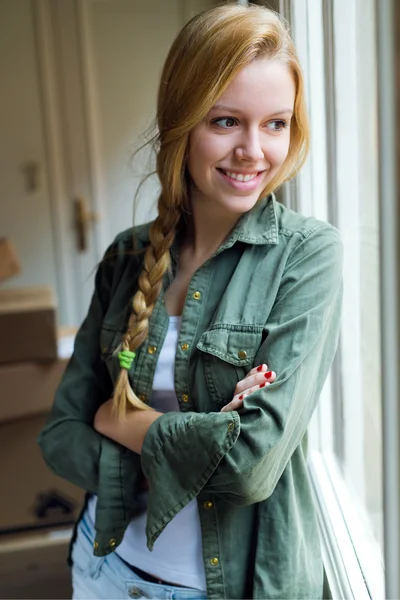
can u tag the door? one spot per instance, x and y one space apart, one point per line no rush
108 56
82 79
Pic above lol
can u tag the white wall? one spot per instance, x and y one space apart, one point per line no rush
25 214
130 41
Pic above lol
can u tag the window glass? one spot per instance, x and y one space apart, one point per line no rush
358 426
336 41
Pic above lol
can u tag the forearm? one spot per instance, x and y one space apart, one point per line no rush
130 431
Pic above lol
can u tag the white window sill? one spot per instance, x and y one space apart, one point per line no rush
352 558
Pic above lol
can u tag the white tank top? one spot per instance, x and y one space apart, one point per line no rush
177 555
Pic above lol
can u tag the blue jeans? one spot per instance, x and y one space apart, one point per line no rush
110 578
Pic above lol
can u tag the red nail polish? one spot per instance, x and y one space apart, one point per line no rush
241 397
259 368
268 374
262 384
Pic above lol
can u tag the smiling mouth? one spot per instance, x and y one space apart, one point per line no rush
240 176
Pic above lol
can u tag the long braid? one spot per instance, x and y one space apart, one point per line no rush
156 263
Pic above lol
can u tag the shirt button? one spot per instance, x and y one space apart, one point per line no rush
151 349
231 426
142 397
135 592
197 295
214 561
242 354
112 543
185 347
185 398
208 504
96 545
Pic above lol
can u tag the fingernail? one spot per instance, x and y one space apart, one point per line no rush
241 397
268 374
260 368
262 384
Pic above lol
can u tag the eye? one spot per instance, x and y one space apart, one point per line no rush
277 125
225 122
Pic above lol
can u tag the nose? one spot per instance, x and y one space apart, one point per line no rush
249 147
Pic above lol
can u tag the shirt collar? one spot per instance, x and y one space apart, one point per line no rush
258 226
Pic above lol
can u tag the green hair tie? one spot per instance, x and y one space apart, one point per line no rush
126 358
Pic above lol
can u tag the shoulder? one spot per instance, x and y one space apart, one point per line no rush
293 224
128 243
124 256
306 236
133 237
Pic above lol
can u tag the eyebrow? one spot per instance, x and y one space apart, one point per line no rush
230 109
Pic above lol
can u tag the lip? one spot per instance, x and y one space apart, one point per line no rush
241 172
241 185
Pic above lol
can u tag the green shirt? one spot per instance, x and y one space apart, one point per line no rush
270 294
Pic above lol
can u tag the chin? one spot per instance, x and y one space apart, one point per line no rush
241 205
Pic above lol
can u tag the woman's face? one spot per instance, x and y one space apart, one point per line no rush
244 140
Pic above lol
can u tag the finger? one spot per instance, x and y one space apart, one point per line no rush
256 388
254 380
237 401
234 404
259 369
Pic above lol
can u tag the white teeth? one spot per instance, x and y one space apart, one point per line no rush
241 177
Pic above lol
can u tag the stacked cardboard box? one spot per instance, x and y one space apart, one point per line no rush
27 325
33 565
32 498
36 507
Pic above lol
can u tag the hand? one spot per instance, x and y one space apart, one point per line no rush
257 378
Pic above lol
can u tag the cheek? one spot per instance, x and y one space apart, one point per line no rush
206 150
197 155
277 150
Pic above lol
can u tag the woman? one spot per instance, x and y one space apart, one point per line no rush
186 315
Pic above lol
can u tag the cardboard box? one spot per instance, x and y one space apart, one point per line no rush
28 388
37 508
27 325
33 565
9 263
32 498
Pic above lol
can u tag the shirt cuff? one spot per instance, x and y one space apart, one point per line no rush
180 453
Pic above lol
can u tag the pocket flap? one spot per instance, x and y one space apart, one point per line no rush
235 346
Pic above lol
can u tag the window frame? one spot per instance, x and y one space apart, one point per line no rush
388 53
349 550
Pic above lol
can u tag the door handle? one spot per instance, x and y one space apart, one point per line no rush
83 218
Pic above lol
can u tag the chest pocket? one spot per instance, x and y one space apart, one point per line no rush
229 353
110 339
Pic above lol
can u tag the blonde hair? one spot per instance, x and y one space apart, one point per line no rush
204 59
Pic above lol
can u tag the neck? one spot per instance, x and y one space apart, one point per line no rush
206 233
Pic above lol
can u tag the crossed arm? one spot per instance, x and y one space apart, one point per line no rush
131 432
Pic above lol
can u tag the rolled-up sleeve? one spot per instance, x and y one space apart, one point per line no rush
240 456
